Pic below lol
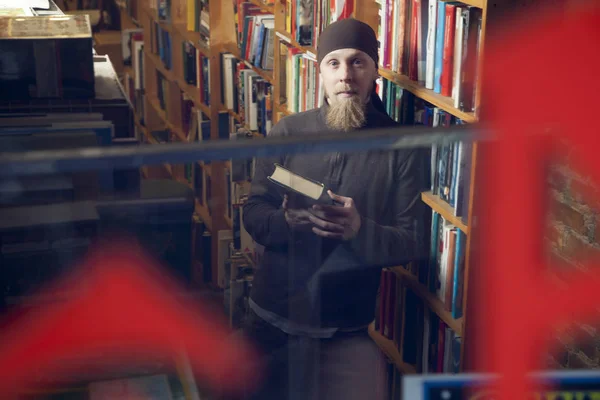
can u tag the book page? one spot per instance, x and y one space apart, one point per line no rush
297 183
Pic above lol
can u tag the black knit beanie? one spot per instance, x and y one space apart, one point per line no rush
350 33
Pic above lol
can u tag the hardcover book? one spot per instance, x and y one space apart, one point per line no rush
293 183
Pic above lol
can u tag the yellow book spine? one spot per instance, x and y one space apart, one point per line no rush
191 15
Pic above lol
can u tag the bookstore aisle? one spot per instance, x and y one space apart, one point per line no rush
193 76
187 71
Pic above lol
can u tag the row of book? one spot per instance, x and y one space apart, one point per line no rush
198 19
435 43
450 175
306 19
447 264
180 108
246 93
256 34
163 9
422 339
450 163
161 44
302 82
196 70
443 274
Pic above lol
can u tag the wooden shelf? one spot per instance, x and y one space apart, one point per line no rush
443 102
445 210
237 117
269 8
124 13
390 349
193 92
266 75
475 3
435 304
153 14
163 115
308 50
190 90
282 108
193 37
158 64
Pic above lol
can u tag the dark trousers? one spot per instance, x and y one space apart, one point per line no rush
347 366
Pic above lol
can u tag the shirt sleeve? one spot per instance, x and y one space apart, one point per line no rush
264 218
403 239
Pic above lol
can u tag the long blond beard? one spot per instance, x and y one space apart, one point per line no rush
346 114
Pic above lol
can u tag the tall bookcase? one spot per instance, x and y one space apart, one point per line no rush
223 38
368 11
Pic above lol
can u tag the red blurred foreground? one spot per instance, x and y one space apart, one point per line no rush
541 74
123 310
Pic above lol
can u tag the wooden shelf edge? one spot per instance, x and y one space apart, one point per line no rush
168 73
475 3
434 304
282 108
445 210
193 37
124 11
270 8
443 102
308 50
192 92
265 74
162 115
391 351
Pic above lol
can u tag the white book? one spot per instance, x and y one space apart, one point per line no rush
458 50
228 80
431 30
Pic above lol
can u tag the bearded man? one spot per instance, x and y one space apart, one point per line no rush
314 292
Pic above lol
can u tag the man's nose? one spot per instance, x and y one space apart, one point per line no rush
345 73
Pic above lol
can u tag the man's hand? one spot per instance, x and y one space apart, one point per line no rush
297 219
336 222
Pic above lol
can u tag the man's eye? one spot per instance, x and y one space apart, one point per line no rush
357 62
333 63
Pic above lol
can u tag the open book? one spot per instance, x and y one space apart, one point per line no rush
295 183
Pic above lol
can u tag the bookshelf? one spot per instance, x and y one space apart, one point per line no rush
223 38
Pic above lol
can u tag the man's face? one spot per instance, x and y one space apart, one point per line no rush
348 74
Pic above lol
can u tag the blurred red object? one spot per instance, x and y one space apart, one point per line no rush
540 91
121 309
